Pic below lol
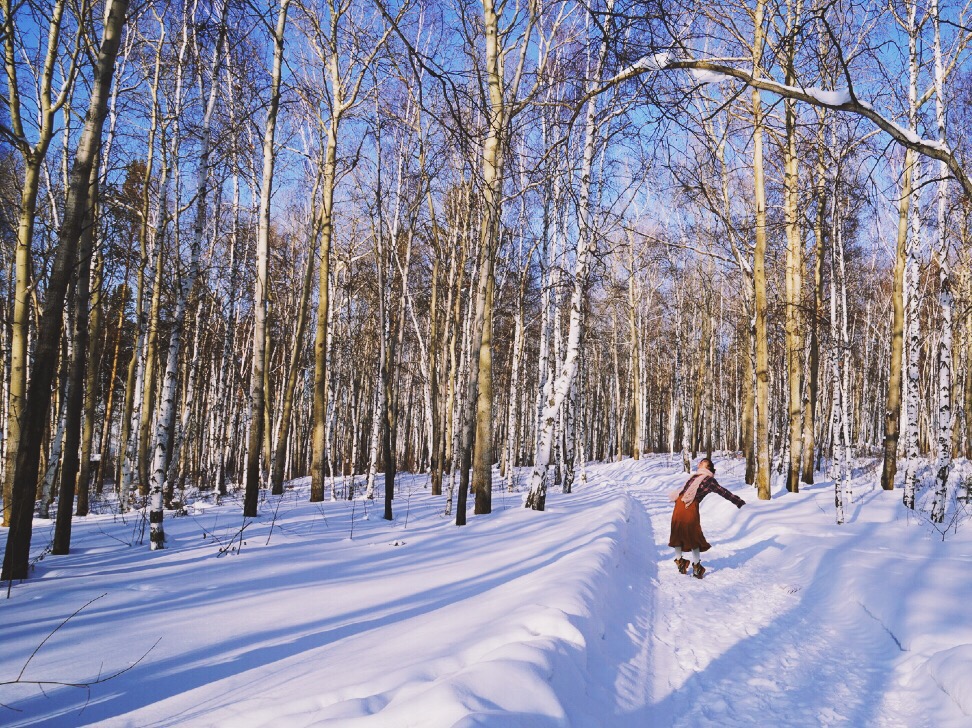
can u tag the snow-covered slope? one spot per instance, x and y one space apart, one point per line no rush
800 622
575 616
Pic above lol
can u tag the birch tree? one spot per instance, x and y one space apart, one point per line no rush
50 102
257 393
293 371
134 382
945 301
536 499
502 105
166 416
839 362
759 271
16 555
911 274
74 394
342 87
813 362
794 258
635 346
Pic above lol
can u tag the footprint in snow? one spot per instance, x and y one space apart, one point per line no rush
763 684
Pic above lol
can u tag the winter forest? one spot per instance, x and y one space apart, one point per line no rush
393 253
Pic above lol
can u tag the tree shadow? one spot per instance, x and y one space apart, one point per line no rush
754 692
322 624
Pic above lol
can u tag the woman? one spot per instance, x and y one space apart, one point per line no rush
686 527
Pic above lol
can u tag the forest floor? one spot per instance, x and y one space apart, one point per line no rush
326 614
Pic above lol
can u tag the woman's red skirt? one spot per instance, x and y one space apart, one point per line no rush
687 528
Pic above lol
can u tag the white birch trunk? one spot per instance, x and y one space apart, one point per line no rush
551 283
837 471
166 414
636 370
129 466
583 418
184 422
379 400
945 415
913 335
912 332
569 453
559 390
332 387
510 459
846 404
683 410
461 392
255 435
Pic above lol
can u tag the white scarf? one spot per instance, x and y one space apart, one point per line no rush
691 488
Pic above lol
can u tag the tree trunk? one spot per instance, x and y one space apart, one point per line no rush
135 373
537 497
481 371
759 277
389 415
283 430
319 415
147 406
841 469
183 421
515 366
892 419
34 157
76 379
810 413
968 383
163 441
912 324
794 268
257 393
467 412
635 373
748 401
968 372
943 462
483 457
19 329
92 377
680 388
110 401
53 466
435 462
17 554
618 407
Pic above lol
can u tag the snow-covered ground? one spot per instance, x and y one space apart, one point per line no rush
575 616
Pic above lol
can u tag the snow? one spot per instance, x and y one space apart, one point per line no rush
830 98
575 616
705 76
652 62
842 96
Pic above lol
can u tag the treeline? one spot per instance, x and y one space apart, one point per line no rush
245 243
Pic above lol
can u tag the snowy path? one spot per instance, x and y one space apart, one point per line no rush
772 632
574 617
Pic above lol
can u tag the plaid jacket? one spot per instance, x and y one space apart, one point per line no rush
710 485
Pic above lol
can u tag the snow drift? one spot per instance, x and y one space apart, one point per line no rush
324 614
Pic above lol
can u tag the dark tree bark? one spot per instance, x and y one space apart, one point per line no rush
76 380
17 554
